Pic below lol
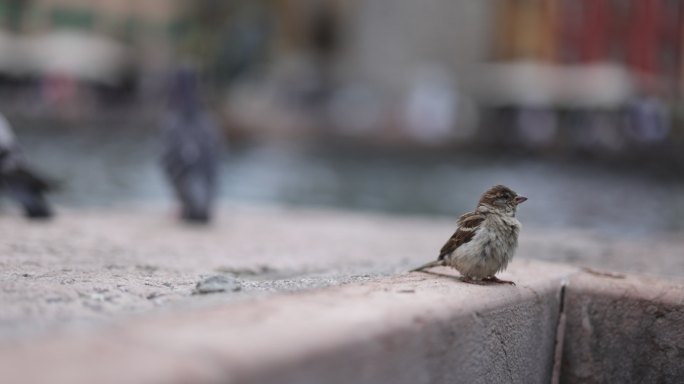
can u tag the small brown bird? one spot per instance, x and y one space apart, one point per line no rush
485 240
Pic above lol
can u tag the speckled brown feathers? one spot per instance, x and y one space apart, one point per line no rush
467 225
496 195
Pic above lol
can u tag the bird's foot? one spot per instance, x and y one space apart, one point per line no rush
494 279
471 281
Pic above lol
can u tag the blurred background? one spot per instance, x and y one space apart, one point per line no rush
395 106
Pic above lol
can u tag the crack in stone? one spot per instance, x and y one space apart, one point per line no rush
500 339
560 337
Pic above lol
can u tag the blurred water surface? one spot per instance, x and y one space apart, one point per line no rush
115 166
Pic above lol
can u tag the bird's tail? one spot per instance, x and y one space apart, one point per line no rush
435 263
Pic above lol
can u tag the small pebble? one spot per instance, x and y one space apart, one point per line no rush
215 284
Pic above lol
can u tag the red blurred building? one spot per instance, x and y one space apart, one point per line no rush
644 35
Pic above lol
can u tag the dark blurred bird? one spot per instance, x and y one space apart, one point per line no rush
191 148
485 240
18 181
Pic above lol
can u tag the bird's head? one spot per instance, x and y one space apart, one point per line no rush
502 199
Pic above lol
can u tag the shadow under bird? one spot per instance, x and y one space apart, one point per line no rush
20 182
191 149
485 240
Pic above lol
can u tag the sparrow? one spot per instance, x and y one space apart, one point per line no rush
485 240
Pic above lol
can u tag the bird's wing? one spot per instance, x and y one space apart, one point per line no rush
467 226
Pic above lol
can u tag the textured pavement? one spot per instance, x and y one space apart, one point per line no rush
410 328
88 268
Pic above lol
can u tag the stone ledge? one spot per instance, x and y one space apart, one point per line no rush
412 328
623 329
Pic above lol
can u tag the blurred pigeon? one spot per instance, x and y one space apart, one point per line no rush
191 149
17 180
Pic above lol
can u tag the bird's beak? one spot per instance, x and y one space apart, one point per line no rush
520 200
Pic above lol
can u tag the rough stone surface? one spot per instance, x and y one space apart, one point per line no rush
118 285
412 328
89 267
623 329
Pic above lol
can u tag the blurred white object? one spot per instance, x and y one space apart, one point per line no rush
79 55
431 105
536 84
